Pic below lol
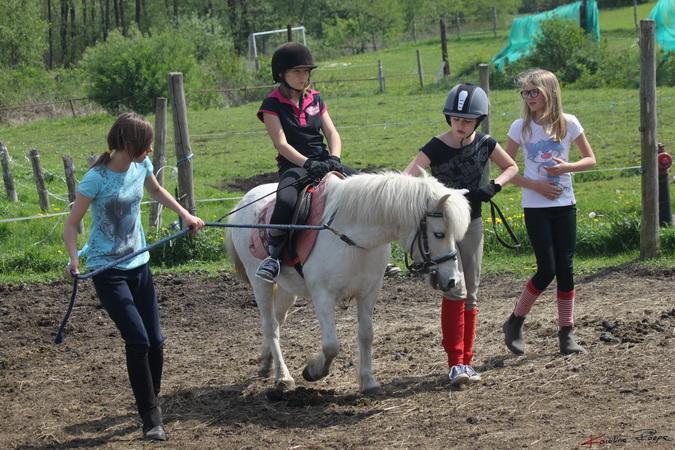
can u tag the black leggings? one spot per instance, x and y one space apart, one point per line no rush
129 298
553 235
288 193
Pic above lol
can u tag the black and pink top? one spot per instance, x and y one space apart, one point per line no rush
460 168
302 126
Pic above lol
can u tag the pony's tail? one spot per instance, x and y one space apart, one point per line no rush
234 258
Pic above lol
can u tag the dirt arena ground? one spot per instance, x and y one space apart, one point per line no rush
76 395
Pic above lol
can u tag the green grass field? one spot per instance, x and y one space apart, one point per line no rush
380 130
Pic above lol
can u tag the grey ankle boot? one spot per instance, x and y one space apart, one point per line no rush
513 334
568 345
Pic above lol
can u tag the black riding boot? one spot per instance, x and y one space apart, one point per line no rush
568 345
156 363
276 242
513 334
140 378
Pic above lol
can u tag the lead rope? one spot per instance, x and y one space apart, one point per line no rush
515 242
76 278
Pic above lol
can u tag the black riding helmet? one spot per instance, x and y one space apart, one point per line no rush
291 55
467 101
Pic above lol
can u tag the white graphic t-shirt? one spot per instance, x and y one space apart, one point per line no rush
539 150
116 228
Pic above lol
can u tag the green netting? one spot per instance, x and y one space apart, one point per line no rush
664 16
525 28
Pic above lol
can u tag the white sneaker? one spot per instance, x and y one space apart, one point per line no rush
268 270
474 377
391 270
458 375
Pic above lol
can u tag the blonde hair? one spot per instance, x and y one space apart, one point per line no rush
552 118
286 91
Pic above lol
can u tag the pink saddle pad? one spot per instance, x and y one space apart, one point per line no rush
305 239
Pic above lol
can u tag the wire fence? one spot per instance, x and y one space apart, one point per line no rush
372 136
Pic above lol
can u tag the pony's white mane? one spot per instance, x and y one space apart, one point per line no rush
392 197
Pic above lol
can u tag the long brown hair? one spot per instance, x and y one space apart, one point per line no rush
131 133
552 119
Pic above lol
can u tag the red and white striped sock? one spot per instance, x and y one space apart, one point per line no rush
566 308
527 299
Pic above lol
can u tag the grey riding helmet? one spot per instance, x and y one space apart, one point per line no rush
290 56
467 101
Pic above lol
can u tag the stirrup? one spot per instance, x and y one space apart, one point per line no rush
268 270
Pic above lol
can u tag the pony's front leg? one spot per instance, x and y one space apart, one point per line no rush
270 328
318 365
367 382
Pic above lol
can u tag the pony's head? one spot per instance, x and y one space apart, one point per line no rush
433 243
426 217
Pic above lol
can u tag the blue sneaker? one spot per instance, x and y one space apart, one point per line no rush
458 375
474 377
268 269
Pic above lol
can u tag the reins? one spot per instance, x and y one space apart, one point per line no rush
515 242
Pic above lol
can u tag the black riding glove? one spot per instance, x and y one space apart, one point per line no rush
485 192
335 164
316 169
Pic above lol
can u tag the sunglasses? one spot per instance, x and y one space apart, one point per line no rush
532 93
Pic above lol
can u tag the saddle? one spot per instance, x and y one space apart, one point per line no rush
309 209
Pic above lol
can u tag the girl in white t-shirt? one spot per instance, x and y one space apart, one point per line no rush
546 135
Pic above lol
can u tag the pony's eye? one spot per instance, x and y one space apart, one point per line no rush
439 235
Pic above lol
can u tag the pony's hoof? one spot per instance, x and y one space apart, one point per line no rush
376 391
285 385
307 376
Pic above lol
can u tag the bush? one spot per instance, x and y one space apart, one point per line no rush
665 69
204 246
27 84
132 72
614 234
579 62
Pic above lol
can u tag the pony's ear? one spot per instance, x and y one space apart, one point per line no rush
439 206
421 172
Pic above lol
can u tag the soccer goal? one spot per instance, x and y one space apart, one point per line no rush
265 42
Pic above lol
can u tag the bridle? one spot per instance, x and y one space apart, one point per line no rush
422 240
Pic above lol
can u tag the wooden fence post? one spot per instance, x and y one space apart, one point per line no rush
43 195
494 21
7 174
380 75
459 27
484 74
649 229
420 71
72 185
635 15
289 33
414 29
159 157
181 138
444 48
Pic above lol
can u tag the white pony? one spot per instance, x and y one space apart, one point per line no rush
372 210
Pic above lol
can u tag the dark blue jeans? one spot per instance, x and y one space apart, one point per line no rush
553 234
129 298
